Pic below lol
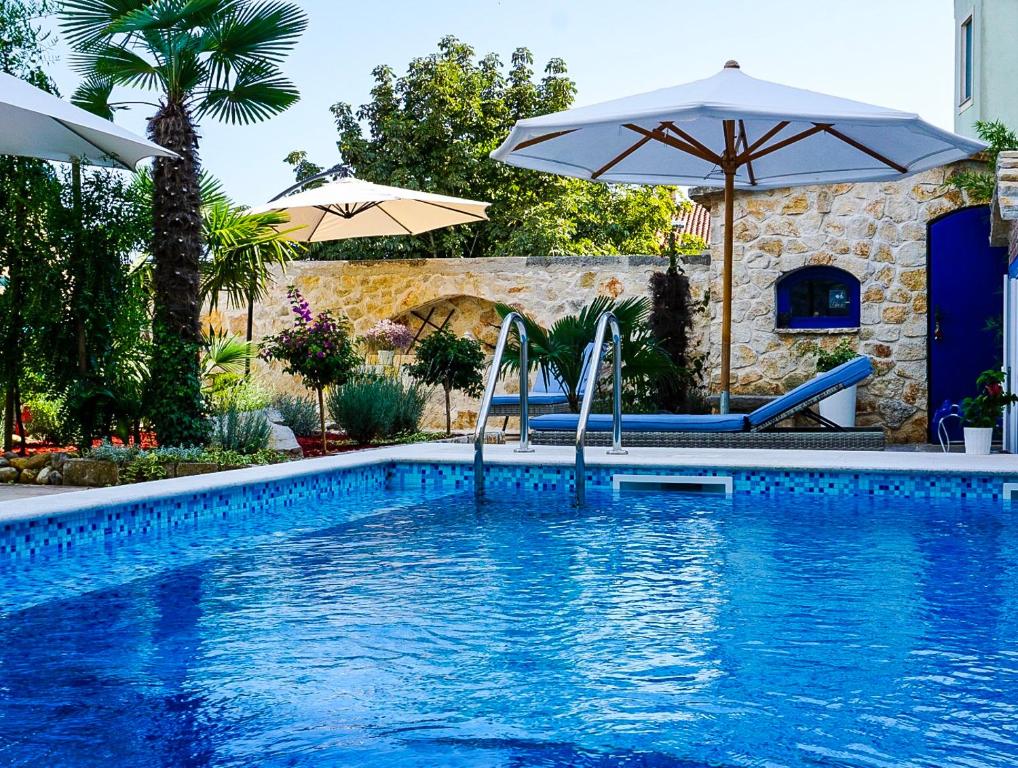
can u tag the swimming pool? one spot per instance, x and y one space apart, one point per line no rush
402 623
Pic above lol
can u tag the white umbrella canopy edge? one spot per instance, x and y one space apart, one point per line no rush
350 208
735 131
38 124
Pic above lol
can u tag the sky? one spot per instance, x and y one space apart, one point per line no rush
895 53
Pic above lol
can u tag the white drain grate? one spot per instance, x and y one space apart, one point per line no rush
718 486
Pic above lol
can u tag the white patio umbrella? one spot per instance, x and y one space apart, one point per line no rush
348 208
735 131
34 123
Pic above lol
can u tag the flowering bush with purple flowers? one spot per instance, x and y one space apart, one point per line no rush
318 348
385 334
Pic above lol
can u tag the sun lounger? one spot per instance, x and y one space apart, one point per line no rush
734 430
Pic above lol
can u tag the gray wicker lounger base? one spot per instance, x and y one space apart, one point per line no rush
805 439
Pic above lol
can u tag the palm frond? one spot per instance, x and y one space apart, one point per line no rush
224 353
86 22
265 31
93 95
169 14
258 91
123 66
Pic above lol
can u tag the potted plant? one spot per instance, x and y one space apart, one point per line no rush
839 407
982 412
386 338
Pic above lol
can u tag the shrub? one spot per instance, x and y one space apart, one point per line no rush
234 392
46 421
118 454
147 465
300 414
409 409
242 431
366 408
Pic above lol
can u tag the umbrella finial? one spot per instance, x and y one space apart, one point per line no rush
732 64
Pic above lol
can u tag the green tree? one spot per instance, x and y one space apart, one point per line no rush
433 127
450 362
29 194
980 184
203 57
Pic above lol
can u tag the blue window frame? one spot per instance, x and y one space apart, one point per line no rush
818 297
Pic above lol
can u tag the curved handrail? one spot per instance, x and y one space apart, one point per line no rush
596 358
510 320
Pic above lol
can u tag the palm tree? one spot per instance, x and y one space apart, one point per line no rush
242 249
561 348
203 57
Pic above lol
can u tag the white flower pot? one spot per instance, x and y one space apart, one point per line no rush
840 407
385 356
978 439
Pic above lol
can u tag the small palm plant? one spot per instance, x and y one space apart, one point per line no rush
202 57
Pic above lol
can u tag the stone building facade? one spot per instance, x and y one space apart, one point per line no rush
875 231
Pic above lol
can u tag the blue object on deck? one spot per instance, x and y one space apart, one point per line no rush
845 375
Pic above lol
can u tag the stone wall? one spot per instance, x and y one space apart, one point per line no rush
462 292
875 231
1004 232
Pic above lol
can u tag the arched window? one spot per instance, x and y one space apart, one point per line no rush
818 297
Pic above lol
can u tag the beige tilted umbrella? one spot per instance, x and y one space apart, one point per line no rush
349 208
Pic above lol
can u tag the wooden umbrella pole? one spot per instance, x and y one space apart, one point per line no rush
726 296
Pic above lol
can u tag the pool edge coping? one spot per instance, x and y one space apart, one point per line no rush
21 510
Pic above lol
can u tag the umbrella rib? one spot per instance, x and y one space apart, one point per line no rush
672 142
620 157
454 210
766 137
382 209
683 135
817 128
539 139
745 145
325 212
105 152
863 148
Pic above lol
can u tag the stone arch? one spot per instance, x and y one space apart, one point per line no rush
461 313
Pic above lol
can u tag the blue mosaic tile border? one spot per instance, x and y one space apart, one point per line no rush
26 538
755 482
23 539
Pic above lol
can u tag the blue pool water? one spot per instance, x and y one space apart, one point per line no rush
658 630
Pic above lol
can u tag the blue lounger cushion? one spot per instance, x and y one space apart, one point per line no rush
644 422
845 375
533 398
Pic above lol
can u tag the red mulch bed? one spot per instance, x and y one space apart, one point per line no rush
312 446
148 440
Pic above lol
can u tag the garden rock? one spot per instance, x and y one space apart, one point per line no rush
283 440
27 476
57 460
35 462
55 478
43 477
4 462
8 474
90 473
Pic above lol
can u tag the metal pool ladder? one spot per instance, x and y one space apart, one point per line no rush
606 320
512 319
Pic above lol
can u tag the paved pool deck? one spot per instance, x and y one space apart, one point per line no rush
41 503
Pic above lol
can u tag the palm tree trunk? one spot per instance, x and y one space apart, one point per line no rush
176 405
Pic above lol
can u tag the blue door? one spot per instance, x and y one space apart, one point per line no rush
965 306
